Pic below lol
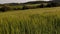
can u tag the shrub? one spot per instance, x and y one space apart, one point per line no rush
16 8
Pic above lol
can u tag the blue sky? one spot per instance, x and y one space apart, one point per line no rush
17 1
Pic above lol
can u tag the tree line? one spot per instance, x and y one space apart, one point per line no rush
24 7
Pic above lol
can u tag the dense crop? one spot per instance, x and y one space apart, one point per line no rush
32 21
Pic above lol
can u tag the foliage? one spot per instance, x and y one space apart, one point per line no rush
17 6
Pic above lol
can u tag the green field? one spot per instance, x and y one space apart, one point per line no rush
31 21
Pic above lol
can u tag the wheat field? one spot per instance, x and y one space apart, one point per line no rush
31 21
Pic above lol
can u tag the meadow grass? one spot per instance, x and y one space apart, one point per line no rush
31 21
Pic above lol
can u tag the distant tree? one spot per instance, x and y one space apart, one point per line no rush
24 7
54 4
4 8
41 6
51 4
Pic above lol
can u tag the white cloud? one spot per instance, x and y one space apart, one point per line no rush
19 1
46 0
9 1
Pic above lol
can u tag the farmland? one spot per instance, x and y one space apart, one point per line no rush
31 21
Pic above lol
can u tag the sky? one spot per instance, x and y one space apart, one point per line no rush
17 1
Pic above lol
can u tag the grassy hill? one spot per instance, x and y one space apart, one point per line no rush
31 21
